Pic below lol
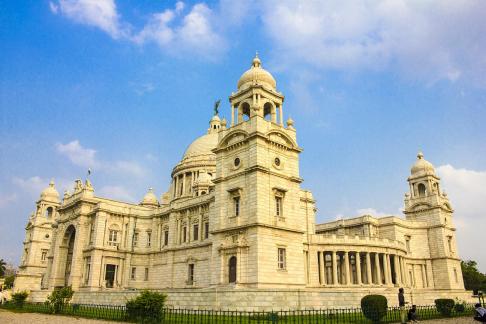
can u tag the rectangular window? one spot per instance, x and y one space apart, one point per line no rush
149 239
91 233
236 205
133 273
195 232
455 275
113 238
449 243
407 243
206 230
184 234
146 274
278 206
135 238
281 259
44 255
190 274
166 238
87 270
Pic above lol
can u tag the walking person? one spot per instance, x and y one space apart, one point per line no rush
401 304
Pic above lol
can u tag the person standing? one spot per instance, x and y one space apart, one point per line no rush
401 304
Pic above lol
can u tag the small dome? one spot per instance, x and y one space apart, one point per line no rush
422 166
202 145
150 199
256 75
204 178
50 193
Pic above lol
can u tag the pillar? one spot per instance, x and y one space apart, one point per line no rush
232 115
346 267
183 184
386 268
334 268
368 269
321 268
398 278
358 268
424 279
280 112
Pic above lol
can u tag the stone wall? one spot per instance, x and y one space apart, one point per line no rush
265 299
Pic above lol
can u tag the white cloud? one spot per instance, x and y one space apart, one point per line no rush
86 157
431 40
97 13
176 33
466 192
117 193
7 199
79 155
33 185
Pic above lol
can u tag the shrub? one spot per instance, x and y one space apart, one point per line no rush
18 299
460 306
59 297
374 307
148 307
9 281
444 306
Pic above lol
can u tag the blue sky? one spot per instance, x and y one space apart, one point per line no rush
124 86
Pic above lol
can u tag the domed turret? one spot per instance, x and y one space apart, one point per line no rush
50 193
422 166
150 200
257 75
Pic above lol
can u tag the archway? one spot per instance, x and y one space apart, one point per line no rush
232 269
68 242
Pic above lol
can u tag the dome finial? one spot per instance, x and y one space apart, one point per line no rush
256 61
420 155
51 183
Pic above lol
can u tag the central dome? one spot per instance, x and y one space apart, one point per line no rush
202 145
256 75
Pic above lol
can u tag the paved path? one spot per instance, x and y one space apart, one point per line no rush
456 320
22 318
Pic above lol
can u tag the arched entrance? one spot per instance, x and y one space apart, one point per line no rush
68 242
232 269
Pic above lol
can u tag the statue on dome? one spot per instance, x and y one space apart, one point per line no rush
216 106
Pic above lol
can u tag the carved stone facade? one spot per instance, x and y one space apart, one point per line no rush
236 218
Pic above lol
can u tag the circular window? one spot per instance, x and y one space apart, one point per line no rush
277 161
47 235
237 162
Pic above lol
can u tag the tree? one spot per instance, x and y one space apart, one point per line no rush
3 267
473 279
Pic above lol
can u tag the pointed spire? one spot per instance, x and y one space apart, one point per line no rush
256 61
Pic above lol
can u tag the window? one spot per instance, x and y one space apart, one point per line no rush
455 275
184 234
49 211
133 273
87 269
281 259
195 232
146 274
149 238
278 206
449 243
190 274
236 205
407 242
166 237
135 238
113 238
206 230
44 255
91 233
422 191
237 162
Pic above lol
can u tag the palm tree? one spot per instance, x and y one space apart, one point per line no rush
3 267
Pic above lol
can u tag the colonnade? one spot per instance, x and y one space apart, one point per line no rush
347 268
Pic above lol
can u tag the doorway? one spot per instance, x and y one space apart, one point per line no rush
110 274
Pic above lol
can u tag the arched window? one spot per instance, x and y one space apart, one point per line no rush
245 110
422 191
232 269
49 212
268 111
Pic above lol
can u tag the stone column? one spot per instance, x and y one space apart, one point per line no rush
388 269
404 272
321 268
385 269
397 270
424 279
368 269
200 234
378 269
281 114
178 231
183 184
334 268
346 267
358 268
232 115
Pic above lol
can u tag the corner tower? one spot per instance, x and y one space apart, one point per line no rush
257 191
426 202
